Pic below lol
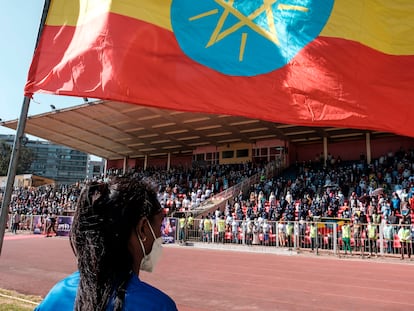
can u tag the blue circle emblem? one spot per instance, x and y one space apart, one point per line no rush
247 37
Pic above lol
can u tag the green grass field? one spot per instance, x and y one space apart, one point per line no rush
13 301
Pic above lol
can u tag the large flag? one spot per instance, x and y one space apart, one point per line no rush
341 63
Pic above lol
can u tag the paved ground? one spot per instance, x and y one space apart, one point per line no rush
212 279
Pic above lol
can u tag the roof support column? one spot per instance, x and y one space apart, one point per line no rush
168 161
105 172
145 162
325 150
125 165
368 144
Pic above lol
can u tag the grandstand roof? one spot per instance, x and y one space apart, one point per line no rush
113 130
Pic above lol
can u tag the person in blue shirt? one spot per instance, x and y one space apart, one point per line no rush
116 232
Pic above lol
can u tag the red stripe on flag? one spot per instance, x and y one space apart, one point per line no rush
332 82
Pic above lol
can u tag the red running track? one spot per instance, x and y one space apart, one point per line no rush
205 279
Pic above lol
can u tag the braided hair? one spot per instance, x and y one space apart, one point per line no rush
106 215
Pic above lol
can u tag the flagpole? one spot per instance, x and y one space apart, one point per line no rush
11 174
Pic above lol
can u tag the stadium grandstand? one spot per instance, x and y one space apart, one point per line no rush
232 180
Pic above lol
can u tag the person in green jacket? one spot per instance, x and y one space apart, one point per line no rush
346 237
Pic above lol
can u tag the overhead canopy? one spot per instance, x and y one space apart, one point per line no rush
114 130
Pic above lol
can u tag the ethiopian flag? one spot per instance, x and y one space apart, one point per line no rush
340 63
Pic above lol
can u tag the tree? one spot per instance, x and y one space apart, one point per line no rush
26 157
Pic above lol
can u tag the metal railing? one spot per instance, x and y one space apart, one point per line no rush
384 240
316 237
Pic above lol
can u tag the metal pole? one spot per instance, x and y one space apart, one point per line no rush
17 143
13 168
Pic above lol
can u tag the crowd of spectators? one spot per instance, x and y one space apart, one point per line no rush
186 189
342 190
177 188
356 191
44 200
360 195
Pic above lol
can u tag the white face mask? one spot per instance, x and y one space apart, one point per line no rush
150 260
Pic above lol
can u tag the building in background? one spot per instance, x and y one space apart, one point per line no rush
62 164
95 168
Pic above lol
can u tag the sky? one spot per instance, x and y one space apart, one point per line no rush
19 25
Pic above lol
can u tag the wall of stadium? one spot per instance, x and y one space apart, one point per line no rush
271 150
351 150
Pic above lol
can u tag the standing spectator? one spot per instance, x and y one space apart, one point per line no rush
244 229
235 231
389 236
190 222
50 225
404 234
207 229
201 228
346 237
281 228
290 231
266 231
376 218
395 203
372 233
313 232
357 234
221 228
181 228
15 222
256 232
249 231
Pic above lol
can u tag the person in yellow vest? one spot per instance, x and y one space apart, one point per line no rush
372 233
221 228
376 217
404 234
190 221
313 233
207 229
346 237
181 226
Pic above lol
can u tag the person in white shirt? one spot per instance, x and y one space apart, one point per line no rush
235 231
266 232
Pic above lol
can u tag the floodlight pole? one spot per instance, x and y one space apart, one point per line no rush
11 174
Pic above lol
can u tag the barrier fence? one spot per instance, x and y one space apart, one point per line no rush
334 237
38 224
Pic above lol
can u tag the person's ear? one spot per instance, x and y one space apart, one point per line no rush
140 229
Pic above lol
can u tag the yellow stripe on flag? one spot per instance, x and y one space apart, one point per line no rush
74 13
384 25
